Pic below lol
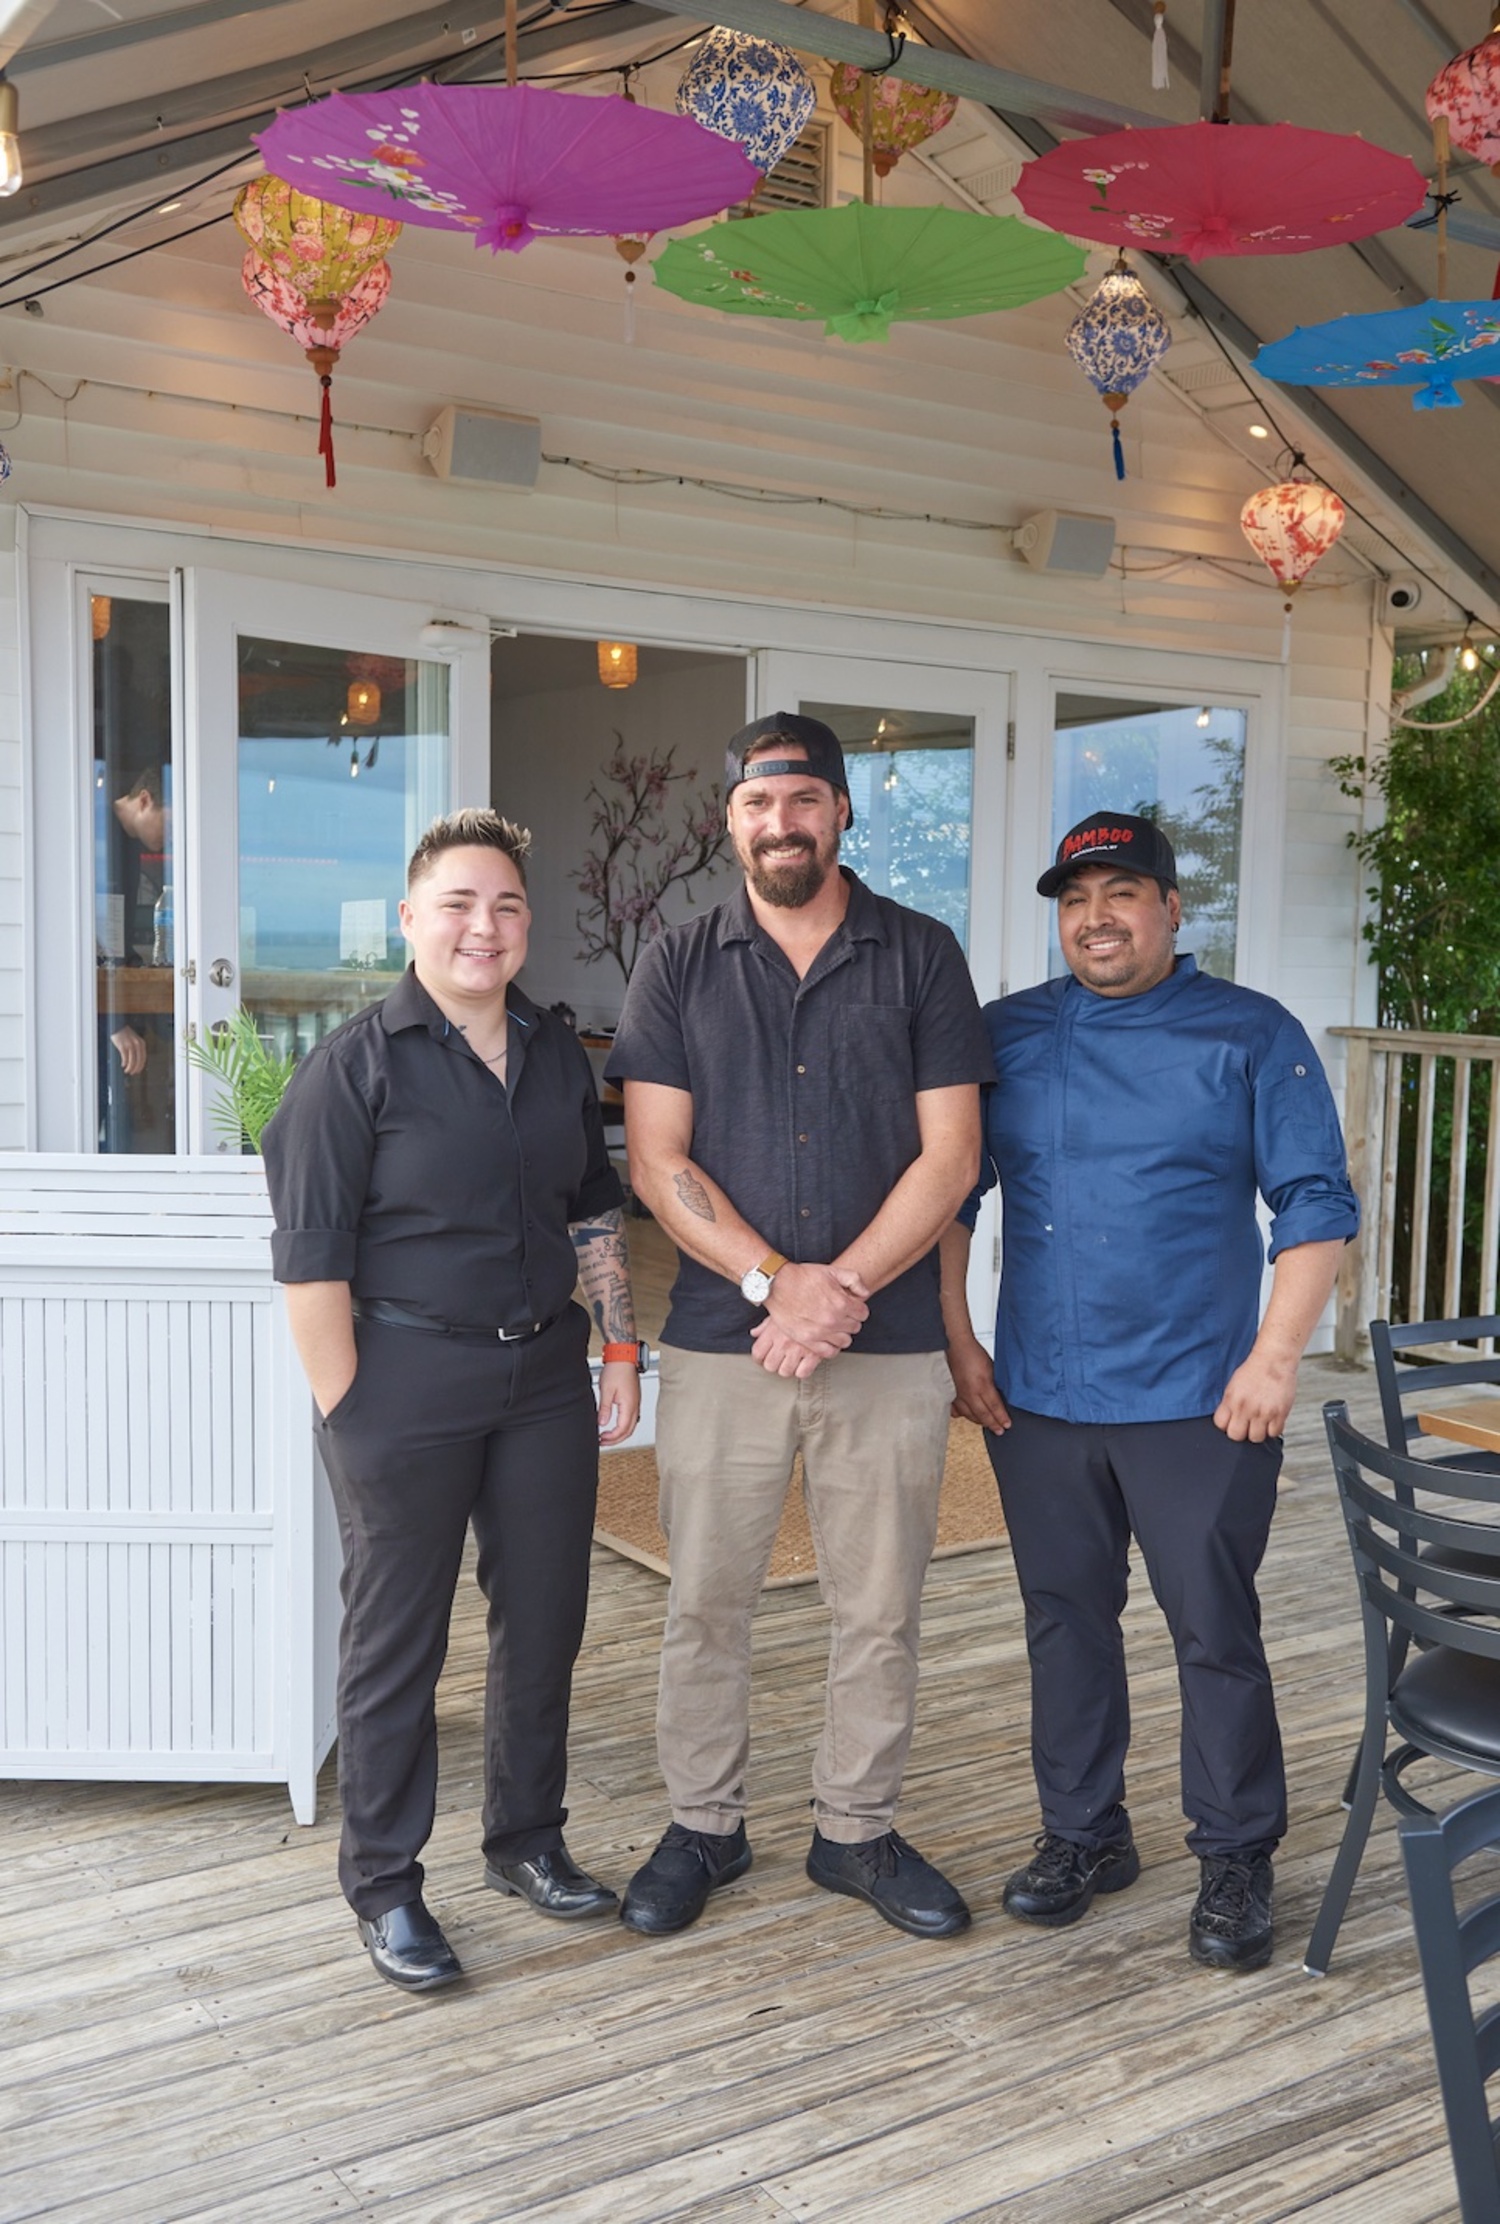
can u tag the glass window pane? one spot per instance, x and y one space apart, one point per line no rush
1182 767
343 760
911 782
131 675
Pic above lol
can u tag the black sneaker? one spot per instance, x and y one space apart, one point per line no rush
1058 1884
671 1889
891 1877
1231 1920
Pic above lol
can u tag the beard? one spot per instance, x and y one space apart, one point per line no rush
791 885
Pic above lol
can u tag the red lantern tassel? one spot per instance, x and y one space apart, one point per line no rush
325 432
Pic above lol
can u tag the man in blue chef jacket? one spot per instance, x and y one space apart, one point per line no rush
1139 1107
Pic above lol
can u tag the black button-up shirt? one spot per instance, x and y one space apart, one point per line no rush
399 1164
804 1092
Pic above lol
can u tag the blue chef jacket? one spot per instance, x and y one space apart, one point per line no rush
1129 1136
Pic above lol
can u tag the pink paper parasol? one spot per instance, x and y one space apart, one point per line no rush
506 162
1221 189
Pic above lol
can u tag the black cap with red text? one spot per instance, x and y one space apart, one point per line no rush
1113 838
823 758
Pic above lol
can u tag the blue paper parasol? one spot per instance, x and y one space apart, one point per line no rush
1428 346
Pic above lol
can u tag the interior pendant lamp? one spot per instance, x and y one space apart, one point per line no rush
1466 92
901 115
1291 527
748 90
1116 340
617 663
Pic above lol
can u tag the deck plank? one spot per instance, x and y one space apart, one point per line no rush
192 2033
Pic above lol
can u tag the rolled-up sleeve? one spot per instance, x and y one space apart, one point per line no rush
318 1150
649 1043
599 1191
1301 1166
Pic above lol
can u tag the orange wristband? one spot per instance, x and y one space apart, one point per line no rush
628 1352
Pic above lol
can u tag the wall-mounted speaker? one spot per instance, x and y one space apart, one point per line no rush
484 446
1070 541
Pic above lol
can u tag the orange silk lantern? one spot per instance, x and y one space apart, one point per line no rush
1291 527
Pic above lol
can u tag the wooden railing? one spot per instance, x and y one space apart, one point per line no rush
1422 1118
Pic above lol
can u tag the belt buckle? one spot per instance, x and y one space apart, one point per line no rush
517 1335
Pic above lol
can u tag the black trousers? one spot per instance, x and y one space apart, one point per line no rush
433 1435
1200 1509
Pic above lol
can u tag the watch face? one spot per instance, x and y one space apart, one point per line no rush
756 1286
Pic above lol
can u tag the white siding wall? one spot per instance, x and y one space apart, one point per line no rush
191 408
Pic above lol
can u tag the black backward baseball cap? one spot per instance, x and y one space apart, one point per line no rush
825 755
1130 845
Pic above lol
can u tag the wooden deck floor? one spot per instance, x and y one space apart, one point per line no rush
191 2030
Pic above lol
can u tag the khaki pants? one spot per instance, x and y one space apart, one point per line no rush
873 1433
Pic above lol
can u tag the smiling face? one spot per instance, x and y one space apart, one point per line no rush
785 829
467 921
1116 930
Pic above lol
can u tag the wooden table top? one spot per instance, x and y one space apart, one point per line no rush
1470 1421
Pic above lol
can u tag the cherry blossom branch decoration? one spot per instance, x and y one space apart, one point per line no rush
640 848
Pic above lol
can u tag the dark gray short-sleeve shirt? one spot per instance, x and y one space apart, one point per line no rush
804 1092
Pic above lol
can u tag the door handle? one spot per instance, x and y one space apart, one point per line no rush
221 972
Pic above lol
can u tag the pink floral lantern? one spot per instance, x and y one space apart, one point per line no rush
902 115
1291 527
1466 92
320 329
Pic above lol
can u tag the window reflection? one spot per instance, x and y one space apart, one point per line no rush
134 920
911 783
343 760
1184 767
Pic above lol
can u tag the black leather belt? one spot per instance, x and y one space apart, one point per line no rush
396 1316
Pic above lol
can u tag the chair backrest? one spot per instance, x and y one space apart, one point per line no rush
1450 1946
1398 1381
1392 1507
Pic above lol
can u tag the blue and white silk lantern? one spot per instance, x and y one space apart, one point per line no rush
750 91
1116 340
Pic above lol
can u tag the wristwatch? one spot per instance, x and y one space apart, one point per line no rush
755 1287
635 1355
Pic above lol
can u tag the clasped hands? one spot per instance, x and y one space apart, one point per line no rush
813 1312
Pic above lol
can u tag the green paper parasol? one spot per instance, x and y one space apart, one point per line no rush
861 269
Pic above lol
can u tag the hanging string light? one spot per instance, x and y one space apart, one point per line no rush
1116 339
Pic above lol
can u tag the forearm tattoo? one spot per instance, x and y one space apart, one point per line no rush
604 1274
694 1195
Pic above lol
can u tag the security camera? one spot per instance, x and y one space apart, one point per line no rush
1402 597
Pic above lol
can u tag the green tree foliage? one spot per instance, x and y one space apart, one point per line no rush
1434 863
252 1077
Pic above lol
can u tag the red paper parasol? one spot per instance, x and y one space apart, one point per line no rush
1221 189
506 162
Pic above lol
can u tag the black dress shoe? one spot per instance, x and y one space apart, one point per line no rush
554 1884
671 1889
409 1950
1231 1919
1059 1882
894 1879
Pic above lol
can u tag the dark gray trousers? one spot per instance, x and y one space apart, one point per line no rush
1199 1507
433 1436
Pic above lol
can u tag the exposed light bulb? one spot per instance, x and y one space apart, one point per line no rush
10 145
1259 432
271 787
1202 719
1468 656
168 208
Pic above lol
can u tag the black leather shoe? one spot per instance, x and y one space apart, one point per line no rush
894 1879
671 1889
409 1950
1058 1884
1231 1920
554 1884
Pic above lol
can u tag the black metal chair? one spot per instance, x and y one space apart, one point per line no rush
1401 1381
1443 1700
1451 1946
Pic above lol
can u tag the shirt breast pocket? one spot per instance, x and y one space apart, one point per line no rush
872 1046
